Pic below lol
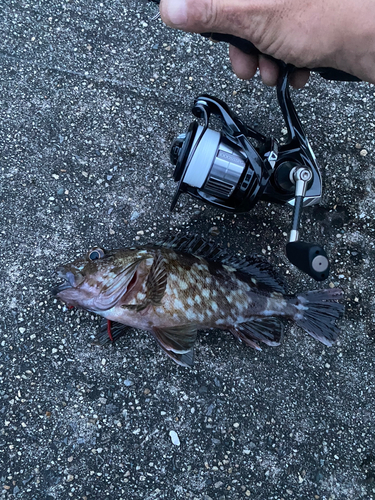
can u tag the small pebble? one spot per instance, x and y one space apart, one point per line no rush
174 437
214 231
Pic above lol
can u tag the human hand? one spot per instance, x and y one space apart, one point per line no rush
325 33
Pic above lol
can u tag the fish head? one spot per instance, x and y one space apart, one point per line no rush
99 280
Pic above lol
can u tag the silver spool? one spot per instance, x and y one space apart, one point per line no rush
216 166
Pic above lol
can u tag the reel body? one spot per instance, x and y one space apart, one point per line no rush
224 168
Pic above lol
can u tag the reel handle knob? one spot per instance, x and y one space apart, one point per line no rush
309 258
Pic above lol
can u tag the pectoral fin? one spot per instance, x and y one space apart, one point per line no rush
155 285
177 342
156 281
266 330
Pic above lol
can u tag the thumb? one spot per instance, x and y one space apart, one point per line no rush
198 16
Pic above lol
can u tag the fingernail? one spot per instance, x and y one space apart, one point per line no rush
176 12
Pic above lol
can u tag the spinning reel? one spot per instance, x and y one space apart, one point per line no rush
226 170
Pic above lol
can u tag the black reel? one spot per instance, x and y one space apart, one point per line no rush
226 170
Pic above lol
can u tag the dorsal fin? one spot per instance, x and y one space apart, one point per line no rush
253 266
260 269
194 245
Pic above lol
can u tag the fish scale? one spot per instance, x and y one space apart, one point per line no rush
176 288
200 293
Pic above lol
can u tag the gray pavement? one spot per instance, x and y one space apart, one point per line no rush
91 96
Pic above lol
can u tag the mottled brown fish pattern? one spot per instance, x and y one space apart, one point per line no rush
174 289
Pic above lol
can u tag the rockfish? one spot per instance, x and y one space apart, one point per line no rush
173 289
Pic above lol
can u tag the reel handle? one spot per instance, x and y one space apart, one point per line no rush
309 258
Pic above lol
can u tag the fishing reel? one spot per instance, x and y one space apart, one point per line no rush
235 168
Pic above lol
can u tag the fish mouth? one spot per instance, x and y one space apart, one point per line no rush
68 283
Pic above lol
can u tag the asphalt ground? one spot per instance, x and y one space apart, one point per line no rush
91 96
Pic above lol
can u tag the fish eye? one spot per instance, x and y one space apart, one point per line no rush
96 253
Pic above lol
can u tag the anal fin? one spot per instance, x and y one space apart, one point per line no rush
266 330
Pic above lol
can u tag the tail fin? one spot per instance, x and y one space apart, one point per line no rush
317 312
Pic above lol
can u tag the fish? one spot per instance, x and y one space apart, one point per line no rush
174 288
